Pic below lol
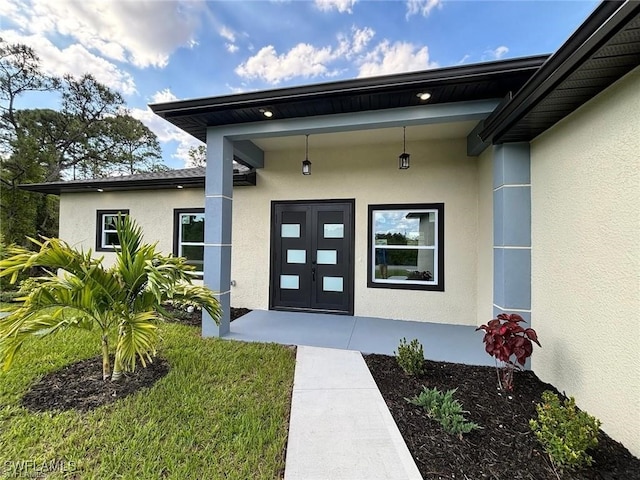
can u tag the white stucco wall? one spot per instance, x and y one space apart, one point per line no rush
484 281
586 257
152 209
440 172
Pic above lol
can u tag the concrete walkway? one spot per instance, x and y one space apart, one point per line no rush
340 427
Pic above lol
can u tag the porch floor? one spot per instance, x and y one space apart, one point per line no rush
441 342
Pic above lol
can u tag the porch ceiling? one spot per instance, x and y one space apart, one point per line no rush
436 131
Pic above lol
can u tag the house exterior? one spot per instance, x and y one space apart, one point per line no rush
521 196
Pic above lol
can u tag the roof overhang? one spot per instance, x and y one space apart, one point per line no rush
463 83
603 49
187 178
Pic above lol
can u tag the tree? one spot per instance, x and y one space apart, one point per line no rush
124 301
198 156
90 135
19 73
135 148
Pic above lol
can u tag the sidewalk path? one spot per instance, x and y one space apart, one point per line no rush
340 427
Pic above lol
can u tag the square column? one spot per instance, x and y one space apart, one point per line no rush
217 234
512 230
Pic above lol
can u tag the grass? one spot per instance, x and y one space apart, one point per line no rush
221 412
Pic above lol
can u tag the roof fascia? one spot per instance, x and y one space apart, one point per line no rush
361 85
56 188
604 22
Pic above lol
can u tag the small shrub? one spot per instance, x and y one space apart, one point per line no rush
565 432
505 340
443 408
410 356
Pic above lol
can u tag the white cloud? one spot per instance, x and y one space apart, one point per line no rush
167 132
422 7
496 53
75 60
242 89
163 96
399 57
303 60
143 33
342 6
361 38
227 34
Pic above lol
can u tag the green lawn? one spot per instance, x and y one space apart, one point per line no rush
221 412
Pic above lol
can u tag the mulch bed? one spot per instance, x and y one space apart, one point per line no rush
505 448
194 318
79 386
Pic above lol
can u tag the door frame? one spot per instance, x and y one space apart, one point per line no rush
350 263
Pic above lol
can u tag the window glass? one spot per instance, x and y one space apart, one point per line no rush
190 238
404 246
107 235
192 227
110 239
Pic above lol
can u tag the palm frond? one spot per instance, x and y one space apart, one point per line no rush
137 337
186 293
53 254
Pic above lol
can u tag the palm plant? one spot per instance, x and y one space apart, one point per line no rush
124 300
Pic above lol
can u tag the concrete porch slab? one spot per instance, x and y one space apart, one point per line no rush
442 342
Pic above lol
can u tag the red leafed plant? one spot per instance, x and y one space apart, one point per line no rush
506 340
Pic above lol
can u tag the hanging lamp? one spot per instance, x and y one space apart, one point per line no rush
306 164
404 157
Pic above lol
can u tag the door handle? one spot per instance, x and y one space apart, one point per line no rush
313 274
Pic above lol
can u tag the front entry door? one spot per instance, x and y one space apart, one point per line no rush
312 256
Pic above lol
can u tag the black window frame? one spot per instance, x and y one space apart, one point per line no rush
438 286
100 214
177 212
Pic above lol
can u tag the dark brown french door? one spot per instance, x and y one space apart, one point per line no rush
312 256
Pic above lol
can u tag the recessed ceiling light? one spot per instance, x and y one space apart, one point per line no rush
179 186
266 113
100 190
424 96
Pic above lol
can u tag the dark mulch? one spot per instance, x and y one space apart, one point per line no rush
194 319
505 449
79 386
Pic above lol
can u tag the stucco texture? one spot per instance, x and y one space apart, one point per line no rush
485 238
586 257
152 209
440 172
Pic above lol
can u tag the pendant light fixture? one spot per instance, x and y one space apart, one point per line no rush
306 164
403 159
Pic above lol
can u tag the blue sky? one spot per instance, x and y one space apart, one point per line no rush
161 50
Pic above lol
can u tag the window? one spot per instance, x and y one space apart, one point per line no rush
106 234
406 246
188 228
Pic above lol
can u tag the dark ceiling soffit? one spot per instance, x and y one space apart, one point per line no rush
599 27
56 188
351 87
